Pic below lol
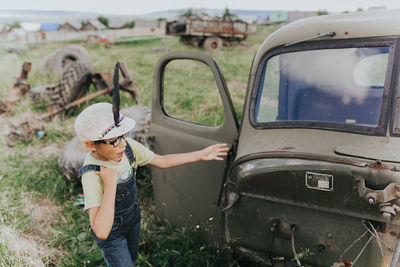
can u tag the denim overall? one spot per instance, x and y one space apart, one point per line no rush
121 246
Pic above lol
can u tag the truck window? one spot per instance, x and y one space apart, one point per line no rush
339 86
191 94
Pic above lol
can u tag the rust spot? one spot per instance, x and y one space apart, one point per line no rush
347 263
346 33
378 165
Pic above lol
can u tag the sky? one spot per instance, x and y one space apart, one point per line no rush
139 7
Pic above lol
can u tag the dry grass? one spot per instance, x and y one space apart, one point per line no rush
39 225
26 248
43 212
29 246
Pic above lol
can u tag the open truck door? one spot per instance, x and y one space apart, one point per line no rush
184 83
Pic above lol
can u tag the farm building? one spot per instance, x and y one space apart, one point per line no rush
117 23
93 25
147 24
30 26
4 28
276 17
70 26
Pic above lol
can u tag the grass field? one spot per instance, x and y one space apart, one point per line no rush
39 223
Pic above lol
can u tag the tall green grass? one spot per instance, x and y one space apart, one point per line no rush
161 245
30 168
191 94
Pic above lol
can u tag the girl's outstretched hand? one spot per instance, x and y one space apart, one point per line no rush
214 152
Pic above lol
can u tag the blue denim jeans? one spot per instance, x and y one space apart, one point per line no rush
121 246
120 249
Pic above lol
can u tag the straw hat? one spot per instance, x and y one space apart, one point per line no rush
96 122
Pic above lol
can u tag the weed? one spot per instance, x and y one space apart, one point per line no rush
129 41
8 258
40 105
163 245
37 202
304 253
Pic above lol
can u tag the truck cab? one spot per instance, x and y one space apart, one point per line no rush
313 174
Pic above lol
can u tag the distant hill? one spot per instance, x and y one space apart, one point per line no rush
210 12
61 16
247 15
38 12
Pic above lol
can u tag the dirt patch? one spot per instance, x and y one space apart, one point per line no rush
47 150
24 128
30 246
43 213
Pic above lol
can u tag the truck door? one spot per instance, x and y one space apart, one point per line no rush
185 118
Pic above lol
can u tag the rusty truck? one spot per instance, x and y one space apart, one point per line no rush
313 172
313 176
206 32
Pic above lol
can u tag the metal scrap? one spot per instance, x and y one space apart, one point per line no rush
24 130
20 88
27 128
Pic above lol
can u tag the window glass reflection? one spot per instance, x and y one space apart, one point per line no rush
328 85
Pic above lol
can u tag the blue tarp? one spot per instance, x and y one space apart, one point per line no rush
49 26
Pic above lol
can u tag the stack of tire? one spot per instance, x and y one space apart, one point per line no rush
73 64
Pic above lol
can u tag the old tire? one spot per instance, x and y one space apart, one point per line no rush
73 84
142 117
71 159
74 153
41 91
58 61
213 44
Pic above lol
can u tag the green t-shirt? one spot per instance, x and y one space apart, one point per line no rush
93 189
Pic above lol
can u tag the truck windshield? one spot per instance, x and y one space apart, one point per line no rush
339 86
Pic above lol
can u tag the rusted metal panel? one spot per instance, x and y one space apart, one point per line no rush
272 192
331 194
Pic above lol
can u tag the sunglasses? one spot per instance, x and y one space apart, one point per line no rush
116 142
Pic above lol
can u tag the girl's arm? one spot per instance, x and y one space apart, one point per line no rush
102 218
213 152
